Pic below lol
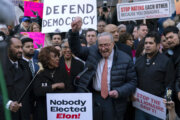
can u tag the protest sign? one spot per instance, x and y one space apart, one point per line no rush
69 106
32 0
38 38
150 104
58 14
177 4
143 10
30 7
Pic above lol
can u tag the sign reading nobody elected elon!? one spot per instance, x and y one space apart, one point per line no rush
69 106
58 14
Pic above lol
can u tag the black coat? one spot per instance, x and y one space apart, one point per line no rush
42 85
123 75
16 82
155 77
44 80
76 67
125 48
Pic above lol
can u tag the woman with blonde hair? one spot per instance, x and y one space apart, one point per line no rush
34 27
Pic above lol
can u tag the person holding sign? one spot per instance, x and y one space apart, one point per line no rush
112 77
154 72
47 81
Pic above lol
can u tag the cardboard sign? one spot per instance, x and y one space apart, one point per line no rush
150 104
69 106
58 14
30 7
177 5
38 38
143 10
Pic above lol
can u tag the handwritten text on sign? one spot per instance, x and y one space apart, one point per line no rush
150 104
58 14
69 106
143 10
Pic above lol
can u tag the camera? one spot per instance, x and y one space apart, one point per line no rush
104 6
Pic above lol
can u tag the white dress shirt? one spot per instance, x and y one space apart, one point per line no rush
97 79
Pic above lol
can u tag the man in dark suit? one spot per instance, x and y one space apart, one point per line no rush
142 30
17 77
28 53
112 77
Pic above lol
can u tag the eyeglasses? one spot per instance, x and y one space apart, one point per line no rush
130 40
106 45
65 47
101 25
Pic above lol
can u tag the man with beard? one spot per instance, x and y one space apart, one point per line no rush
153 69
17 77
28 53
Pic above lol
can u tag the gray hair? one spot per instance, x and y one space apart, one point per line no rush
106 34
121 26
64 41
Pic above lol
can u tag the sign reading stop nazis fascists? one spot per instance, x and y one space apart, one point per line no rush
58 14
69 106
143 10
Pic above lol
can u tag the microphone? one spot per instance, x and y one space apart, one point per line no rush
89 67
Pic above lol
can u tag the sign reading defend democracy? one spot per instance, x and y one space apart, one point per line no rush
143 10
38 38
58 14
33 6
69 106
150 104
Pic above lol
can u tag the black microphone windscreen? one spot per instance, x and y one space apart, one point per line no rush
90 67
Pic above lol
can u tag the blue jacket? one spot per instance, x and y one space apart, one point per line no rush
123 75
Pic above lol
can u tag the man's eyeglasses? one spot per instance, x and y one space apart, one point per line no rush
106 45
65 47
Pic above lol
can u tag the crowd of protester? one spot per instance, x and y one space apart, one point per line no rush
137 55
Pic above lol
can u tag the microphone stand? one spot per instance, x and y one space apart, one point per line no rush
75 84
27 88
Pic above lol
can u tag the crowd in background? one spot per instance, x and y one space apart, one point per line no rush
152 46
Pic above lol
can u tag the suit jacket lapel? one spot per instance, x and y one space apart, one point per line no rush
19 73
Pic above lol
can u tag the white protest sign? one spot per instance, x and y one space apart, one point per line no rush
69 106
150 104
58 14
143 10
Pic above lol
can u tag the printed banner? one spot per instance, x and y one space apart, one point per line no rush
38 38
177 4
143 10
31 7
69 106
58 14
150 104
